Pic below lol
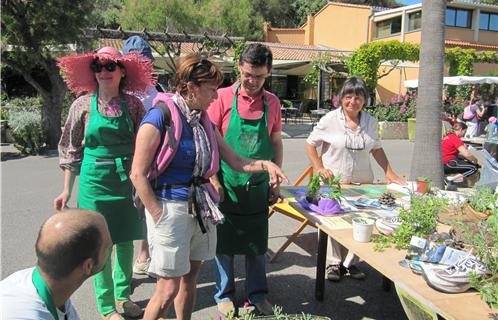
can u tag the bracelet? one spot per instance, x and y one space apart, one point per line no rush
263 166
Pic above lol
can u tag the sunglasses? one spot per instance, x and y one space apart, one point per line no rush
203 63
110 66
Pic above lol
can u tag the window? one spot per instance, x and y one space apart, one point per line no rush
488 21
458 18
388 27
414 21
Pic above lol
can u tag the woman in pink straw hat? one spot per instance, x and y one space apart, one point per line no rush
98 144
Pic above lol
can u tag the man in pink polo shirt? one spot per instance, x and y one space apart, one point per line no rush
249 119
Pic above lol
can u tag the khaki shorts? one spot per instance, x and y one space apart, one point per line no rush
177 239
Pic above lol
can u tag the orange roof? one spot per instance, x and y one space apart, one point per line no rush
474 45
303 52
281 51
186 48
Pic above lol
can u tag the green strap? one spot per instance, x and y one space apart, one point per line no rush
120 169
44 292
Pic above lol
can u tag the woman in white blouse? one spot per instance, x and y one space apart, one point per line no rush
347 137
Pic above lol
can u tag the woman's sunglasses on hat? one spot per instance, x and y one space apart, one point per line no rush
109 66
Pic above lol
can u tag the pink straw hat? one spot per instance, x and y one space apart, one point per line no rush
80 78
492 120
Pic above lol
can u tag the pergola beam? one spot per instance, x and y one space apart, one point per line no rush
98 33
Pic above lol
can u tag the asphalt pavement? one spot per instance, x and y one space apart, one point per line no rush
29 185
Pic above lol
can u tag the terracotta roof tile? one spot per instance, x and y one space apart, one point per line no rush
474 45
281 51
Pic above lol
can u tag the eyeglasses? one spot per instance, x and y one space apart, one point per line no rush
258 77
110 66
354 141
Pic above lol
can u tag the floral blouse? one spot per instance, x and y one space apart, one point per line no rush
72 141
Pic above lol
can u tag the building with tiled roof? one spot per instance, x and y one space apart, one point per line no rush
345 27
290 61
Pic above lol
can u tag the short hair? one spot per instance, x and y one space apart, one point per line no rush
197 69
67 254
356 86
457 126
257 54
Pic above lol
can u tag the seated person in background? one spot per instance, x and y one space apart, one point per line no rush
72 246
456 157
491 128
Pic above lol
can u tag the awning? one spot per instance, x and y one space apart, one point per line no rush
456 81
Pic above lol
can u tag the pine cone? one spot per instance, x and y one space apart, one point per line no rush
387 199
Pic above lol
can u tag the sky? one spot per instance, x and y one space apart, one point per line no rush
407 2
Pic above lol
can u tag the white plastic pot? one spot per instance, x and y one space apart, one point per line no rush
362 229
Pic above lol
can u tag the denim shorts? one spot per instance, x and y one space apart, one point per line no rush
176 239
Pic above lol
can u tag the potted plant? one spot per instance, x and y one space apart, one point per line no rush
484 243
362 229
330 203
480 202
420 220
423 184
323 203
312 194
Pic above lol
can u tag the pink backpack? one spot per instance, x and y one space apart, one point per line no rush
168 148
468 114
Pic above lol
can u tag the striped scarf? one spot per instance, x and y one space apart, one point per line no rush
208 209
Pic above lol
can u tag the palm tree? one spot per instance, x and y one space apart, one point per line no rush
426 160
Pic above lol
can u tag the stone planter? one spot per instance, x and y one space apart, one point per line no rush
393 130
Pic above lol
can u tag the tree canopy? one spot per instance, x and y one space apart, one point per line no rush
37 31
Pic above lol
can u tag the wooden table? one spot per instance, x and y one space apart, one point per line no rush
477 142
466 305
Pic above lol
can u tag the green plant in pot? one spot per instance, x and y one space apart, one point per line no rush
312 194
423 184
485 247
335 191
481 202
419 220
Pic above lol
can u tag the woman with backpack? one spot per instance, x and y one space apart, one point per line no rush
472 115
177 152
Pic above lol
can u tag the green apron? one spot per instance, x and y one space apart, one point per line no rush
104 183
245 229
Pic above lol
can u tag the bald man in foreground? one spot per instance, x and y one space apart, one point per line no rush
71 247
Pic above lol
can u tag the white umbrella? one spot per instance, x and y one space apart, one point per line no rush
459 80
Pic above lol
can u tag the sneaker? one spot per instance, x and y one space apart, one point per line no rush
226 307
112 316
141 267
334 272
355 273
129 308
264 308
454 278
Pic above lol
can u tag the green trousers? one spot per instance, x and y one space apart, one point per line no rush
111 286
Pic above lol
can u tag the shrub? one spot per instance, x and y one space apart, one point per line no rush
454 106
27 131
19 104
399 109
286 103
